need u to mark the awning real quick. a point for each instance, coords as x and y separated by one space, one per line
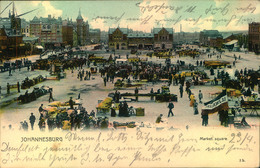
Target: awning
121 60
231 42
132 44
39 47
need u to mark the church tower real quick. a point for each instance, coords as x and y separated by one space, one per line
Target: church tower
80 29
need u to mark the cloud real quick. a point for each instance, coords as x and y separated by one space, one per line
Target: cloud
100 24
45 8
148 10
50 10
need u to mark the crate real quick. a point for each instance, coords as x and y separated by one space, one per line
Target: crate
139 111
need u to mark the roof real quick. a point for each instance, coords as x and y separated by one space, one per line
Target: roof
211 33
5 23
142 35
47 20
123 30
79 16
94 30
156 30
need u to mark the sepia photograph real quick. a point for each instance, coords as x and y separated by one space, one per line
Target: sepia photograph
135 83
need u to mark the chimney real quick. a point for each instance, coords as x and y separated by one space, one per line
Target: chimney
49 17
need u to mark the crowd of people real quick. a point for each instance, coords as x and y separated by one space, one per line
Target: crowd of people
152 72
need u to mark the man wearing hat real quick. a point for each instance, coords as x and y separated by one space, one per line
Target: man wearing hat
170 106
32 120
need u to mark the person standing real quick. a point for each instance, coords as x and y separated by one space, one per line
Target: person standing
192 99
18 87
181 90
32 120
200 96
41 109
205 119
136 93
71 103
151 92
105 81
195 107
10 71
8 88
113 112
25 125
170 106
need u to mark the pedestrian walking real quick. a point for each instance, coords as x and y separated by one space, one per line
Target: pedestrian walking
32 120
51 96
170 106
200 96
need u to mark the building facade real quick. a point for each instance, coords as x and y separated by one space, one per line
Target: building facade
140 40
118 38
95 36
211 38
11 45
124 38
82 31
186 38
163 38
49 31
67 32
25 28
254 37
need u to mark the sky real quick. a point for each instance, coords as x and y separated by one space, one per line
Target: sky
143 15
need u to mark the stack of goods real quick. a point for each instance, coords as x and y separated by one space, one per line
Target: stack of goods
105 104
127 124
139 111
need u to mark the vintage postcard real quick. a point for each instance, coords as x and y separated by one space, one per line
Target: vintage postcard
137 83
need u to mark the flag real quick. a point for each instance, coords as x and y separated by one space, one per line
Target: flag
216 104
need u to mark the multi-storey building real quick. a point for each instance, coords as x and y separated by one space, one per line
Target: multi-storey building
140 40
82 30
10 45
49 31
25 28
118 38
186 38
67 32
124 38
254 37
211 38
163 38
94 35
